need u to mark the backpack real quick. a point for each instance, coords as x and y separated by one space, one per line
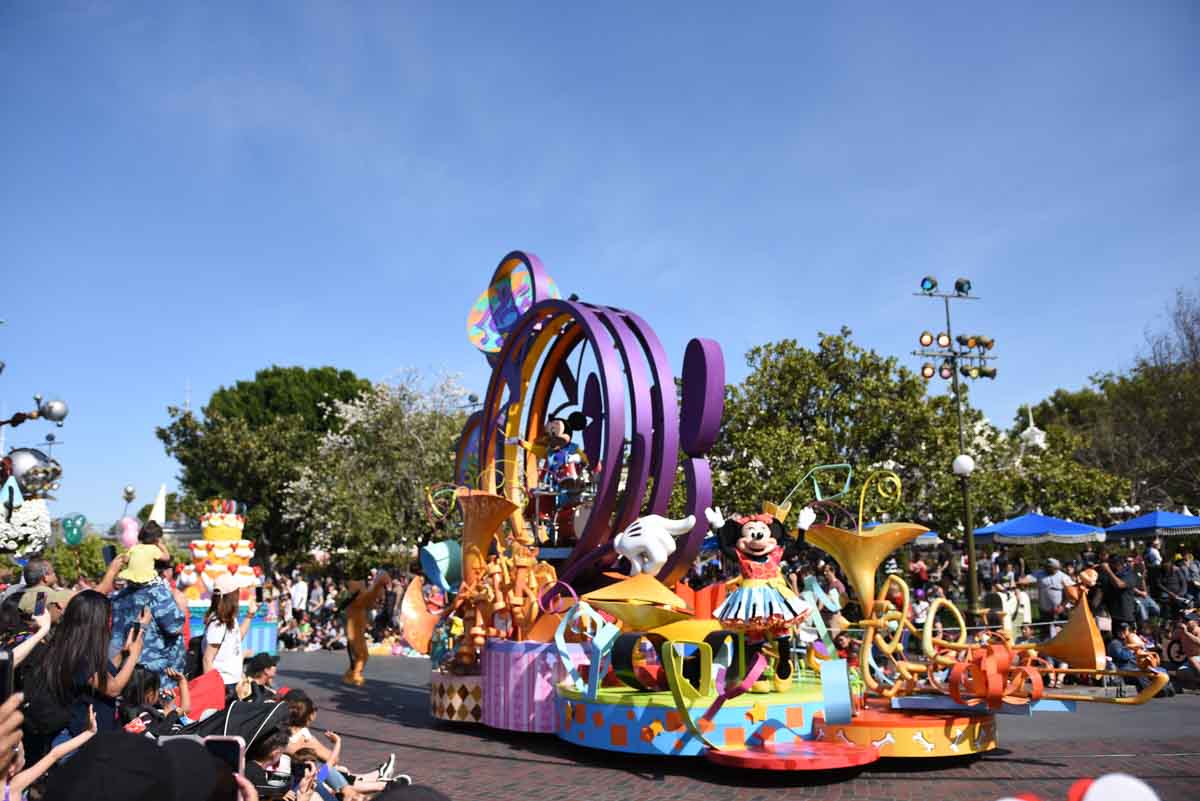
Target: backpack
193 663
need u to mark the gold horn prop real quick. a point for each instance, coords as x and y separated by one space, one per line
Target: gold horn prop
483 514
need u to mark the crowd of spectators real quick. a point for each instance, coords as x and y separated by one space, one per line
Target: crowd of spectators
110 699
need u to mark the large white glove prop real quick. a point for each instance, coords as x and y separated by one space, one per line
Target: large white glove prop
650 540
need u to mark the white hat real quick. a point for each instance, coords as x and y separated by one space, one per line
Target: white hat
226 584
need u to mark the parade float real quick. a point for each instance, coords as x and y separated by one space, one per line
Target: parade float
223 548
554 604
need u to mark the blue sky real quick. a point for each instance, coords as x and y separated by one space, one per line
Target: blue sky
192 192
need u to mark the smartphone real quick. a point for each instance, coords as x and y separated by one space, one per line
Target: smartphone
230 750
110 553
39 606
258 594
6 674
136 628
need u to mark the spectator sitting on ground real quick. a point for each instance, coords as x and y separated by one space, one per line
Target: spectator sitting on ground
1123 657
1189 636
302 714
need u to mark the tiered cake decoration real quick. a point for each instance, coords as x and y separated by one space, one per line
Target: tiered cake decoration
223 550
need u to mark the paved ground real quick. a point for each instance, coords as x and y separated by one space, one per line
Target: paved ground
1043 754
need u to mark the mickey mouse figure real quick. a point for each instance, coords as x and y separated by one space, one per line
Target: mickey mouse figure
763 605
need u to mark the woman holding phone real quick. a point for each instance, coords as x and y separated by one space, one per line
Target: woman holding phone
223 635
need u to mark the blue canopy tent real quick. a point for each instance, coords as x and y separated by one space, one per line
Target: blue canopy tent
1030 529
1158 523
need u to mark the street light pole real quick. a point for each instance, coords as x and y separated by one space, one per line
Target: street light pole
964 482
970 360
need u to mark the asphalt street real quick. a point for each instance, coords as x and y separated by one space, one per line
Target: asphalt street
1043 754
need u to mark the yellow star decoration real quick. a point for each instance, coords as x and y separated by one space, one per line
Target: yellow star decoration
757 713
656 727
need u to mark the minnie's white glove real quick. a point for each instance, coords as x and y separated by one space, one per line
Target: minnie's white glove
714 517
807 518
650 540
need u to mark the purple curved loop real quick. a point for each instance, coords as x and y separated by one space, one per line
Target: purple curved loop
664 448
699 497
553 595
703 396
593 409
640 407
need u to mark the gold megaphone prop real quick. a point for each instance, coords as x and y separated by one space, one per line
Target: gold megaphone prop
861 553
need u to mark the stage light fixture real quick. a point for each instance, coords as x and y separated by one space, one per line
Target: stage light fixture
926 339
927 371
987 372
947 370
985 343
928 284
962 286
943 339
970 371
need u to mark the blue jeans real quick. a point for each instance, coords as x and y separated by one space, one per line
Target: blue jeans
1147 608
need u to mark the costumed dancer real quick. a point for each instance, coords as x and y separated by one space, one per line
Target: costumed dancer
361 600
763 605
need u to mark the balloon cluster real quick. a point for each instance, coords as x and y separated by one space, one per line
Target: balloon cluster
73 528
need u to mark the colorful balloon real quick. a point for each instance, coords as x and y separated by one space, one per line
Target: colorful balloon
73 528
127 531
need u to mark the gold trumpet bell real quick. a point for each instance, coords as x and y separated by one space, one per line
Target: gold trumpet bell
1078 643
860 553
416 621
483 514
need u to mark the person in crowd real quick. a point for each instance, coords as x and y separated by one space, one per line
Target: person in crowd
1192 569
316 599
18 778
223 635
1146 607
302 714
1052 602
1123 657
144 589
1152 557
261 669
299 594
20 638
1116 584
918 572
148 707
38 572
1175 587
71 675
1189 636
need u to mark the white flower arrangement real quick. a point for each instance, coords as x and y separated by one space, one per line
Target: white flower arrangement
29 529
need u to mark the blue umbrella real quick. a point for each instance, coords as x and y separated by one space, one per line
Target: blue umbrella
1031 529
1154 524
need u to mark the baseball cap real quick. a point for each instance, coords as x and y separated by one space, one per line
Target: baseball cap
260 662
227 584
1053 563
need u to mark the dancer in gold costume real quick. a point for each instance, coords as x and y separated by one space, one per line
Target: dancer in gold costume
356 624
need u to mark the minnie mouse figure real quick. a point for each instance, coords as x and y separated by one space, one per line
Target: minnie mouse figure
763 605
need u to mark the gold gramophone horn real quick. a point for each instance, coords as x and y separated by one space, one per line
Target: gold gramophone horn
483 514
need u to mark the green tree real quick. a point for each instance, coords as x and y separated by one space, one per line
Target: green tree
360 495
1144 423
252 439
70 562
